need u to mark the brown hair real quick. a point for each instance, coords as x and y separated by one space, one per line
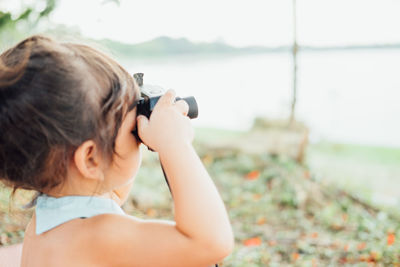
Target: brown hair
53 97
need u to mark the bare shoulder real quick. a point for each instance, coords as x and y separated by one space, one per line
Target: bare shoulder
119 240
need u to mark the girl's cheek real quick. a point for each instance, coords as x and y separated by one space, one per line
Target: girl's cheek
125 170
135 165
130 145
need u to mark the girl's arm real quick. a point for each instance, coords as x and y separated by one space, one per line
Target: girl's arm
199 210
201 234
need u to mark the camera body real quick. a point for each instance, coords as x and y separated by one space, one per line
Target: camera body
150 94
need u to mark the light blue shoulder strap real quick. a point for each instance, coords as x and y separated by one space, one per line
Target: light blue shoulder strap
51 212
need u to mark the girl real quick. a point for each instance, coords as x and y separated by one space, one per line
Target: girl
66 116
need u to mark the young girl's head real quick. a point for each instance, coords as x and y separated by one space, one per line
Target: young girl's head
61 108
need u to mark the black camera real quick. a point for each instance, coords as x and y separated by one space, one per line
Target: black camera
150 94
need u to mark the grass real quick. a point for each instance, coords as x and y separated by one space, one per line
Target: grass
283 216
367 154
214 134
373 172
283 213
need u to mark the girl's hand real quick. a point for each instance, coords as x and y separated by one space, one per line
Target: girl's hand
168 126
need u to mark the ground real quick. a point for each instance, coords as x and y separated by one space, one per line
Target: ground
282 212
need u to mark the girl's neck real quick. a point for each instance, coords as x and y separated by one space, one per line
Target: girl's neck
76 185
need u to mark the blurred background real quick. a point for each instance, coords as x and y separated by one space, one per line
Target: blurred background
298 113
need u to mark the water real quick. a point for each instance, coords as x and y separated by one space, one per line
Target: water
343 96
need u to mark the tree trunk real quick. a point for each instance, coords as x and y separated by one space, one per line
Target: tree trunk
294 54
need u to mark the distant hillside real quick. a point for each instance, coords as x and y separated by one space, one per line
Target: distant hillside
162 46
166 46
350 47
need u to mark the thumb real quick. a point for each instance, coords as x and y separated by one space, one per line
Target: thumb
142 123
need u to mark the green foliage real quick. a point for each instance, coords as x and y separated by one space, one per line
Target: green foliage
16 25
29 13
25 15
5 18
50 5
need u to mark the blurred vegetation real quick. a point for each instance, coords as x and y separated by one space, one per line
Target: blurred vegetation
17 24
282 214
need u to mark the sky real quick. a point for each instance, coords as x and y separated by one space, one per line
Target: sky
268 23
236 22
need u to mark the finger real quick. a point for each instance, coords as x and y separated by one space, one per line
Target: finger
142 123
182 106
168 98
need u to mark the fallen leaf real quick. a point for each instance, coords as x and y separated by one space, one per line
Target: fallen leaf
253 175
314 262
335 245
257 196
255 241
261 221
4 239
373 256
390 239
314 235
151 212
361 246
208 159
364 258
295 256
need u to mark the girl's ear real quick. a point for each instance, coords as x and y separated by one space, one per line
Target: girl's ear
88 161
